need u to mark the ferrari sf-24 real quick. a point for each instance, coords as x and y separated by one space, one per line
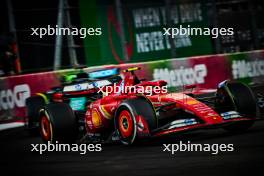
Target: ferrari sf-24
78 111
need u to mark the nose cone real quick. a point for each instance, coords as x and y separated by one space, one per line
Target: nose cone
212 118
199 109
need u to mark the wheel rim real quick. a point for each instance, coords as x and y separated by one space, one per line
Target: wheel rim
125 124
45 127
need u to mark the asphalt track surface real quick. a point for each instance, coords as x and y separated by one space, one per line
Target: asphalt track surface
142 159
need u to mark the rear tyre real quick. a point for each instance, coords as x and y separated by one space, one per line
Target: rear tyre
239 97
33 106
125 118
58 123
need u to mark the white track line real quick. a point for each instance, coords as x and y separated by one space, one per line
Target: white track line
11 125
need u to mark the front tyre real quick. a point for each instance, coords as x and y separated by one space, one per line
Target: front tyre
125 118
126 125
238 97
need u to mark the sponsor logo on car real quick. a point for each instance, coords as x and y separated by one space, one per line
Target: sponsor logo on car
230 115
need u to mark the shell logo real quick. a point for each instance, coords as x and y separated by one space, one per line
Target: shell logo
96 119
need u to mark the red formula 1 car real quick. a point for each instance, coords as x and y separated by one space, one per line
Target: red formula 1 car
85 111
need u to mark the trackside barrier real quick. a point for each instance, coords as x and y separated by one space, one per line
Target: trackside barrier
204 71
